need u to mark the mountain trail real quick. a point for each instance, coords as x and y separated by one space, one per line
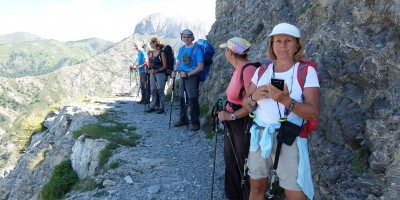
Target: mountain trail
166 164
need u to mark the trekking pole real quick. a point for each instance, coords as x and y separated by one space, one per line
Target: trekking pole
172 101
242 174
214 115
146 92
136 81
130 80
185 97
274 176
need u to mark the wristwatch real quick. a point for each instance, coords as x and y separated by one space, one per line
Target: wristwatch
292 102
233 116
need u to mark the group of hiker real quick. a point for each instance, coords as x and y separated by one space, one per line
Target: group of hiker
189 62
267 115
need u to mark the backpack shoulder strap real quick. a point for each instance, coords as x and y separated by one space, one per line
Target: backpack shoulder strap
256 64
303 70
261 70
159 54
302 74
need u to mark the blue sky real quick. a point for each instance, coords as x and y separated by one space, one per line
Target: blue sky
67 20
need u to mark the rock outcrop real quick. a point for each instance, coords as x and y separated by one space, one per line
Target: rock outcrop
48 149
86 154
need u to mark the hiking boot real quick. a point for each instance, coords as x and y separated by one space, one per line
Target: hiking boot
150 110
160 111
181 123
195 127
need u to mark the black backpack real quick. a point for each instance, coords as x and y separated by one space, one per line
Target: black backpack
169 54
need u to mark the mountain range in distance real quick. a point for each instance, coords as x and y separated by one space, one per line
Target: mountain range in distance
18 37
25 54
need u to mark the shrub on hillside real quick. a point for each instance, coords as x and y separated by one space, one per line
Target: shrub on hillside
61 181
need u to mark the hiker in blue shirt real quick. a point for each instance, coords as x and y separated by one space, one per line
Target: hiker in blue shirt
190 62
141 65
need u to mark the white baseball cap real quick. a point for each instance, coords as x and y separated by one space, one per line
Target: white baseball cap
285 28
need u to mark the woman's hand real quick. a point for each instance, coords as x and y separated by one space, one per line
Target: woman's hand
260 93
277 94
224 116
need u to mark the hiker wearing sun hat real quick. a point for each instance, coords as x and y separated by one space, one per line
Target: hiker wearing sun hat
285 28
189 62
237 45
236 118
277 152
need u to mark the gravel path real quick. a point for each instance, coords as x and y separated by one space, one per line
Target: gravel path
167 164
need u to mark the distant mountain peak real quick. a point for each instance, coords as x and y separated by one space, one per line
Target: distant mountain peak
18 37
169 26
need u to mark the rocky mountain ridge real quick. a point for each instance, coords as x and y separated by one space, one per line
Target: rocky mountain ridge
159 24
31 58
18 37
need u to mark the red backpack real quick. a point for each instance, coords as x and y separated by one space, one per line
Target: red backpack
310 125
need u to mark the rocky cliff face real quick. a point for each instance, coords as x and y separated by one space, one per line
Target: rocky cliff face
355 152
158 24
48 148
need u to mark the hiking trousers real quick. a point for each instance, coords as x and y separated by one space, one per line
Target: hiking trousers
190 87
241 144
157 85
145 90
194 110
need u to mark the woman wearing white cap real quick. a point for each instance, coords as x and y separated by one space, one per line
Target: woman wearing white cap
236 118
292 104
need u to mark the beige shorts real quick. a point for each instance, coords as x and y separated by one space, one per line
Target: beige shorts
260 167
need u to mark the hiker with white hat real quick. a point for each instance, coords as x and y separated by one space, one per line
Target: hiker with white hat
277 150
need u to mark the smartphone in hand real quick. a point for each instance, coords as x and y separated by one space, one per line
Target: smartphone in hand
278 83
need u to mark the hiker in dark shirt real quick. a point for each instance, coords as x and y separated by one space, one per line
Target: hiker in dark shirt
158 65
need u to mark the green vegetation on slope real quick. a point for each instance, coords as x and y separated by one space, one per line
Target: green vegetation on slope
61 182
44 56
